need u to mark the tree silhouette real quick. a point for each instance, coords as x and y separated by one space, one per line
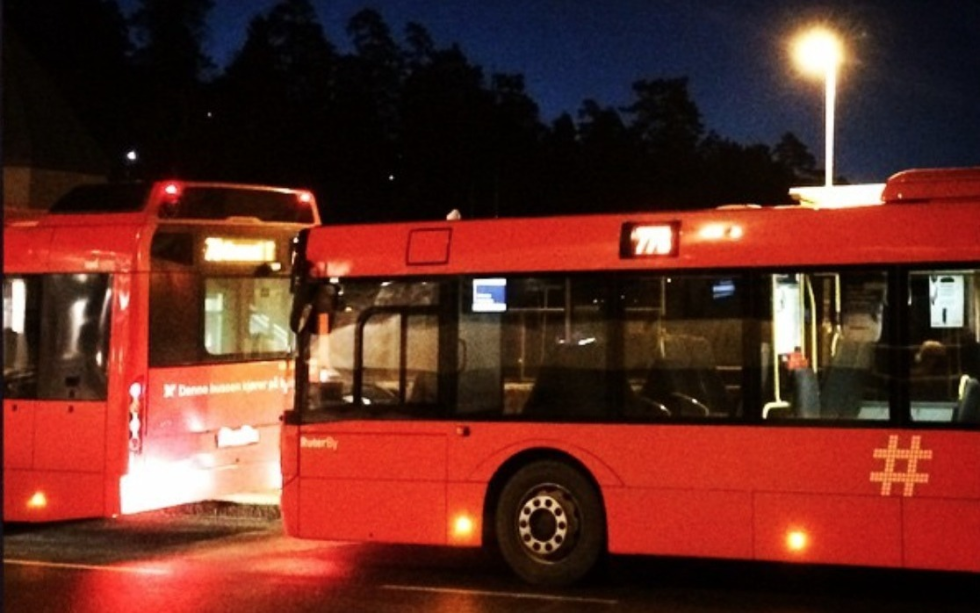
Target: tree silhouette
88 63
392 129
794 156
170 64
273 102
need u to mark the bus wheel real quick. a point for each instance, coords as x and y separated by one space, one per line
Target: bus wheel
550 524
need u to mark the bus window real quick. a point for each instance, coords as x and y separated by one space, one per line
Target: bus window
243 318
56 336
554 345
828 346
75 337
683 342
944 346
175 318
379 347
21 336
246 317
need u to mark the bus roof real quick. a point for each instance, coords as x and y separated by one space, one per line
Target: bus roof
107 226
187 200
941 227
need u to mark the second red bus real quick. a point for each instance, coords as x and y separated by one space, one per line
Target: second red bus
793 384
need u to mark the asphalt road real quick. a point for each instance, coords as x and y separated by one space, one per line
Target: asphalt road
216 558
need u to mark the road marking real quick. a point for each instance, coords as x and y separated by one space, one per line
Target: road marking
521 595
117 569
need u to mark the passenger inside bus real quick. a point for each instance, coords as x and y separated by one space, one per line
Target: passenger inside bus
930 375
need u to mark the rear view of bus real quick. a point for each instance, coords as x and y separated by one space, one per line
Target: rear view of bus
146 342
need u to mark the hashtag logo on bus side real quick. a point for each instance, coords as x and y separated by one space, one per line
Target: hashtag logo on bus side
892 474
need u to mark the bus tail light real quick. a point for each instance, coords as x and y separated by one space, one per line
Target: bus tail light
172 190
136 416
170 198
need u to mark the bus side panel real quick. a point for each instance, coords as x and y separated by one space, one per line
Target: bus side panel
26 249
68 464
942 534
862 530
464 526
66 495
70 436
708 523
942 510
388 486
289 463
373 510
18 433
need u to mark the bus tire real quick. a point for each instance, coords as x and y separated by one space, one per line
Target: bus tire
550 524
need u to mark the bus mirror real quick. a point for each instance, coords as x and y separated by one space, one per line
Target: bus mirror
324 299
311 302
300 317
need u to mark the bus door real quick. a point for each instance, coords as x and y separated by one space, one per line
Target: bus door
941 492
372 459
56 353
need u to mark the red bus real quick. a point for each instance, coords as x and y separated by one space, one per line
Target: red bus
146 338
762 383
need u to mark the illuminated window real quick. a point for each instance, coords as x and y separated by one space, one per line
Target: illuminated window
219 319
246 316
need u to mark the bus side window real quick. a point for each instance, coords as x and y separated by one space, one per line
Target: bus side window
75 337
379 357
683 343
830 347
21 336
943 346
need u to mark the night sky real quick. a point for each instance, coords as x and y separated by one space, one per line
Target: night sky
908 93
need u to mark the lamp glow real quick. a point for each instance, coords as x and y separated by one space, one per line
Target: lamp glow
819 51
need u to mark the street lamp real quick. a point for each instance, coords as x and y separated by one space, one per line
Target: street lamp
819 52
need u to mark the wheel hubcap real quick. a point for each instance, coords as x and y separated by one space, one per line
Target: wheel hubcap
546 523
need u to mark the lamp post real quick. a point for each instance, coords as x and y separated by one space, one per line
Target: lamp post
819 52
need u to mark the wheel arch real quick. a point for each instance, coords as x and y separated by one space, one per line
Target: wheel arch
524 458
